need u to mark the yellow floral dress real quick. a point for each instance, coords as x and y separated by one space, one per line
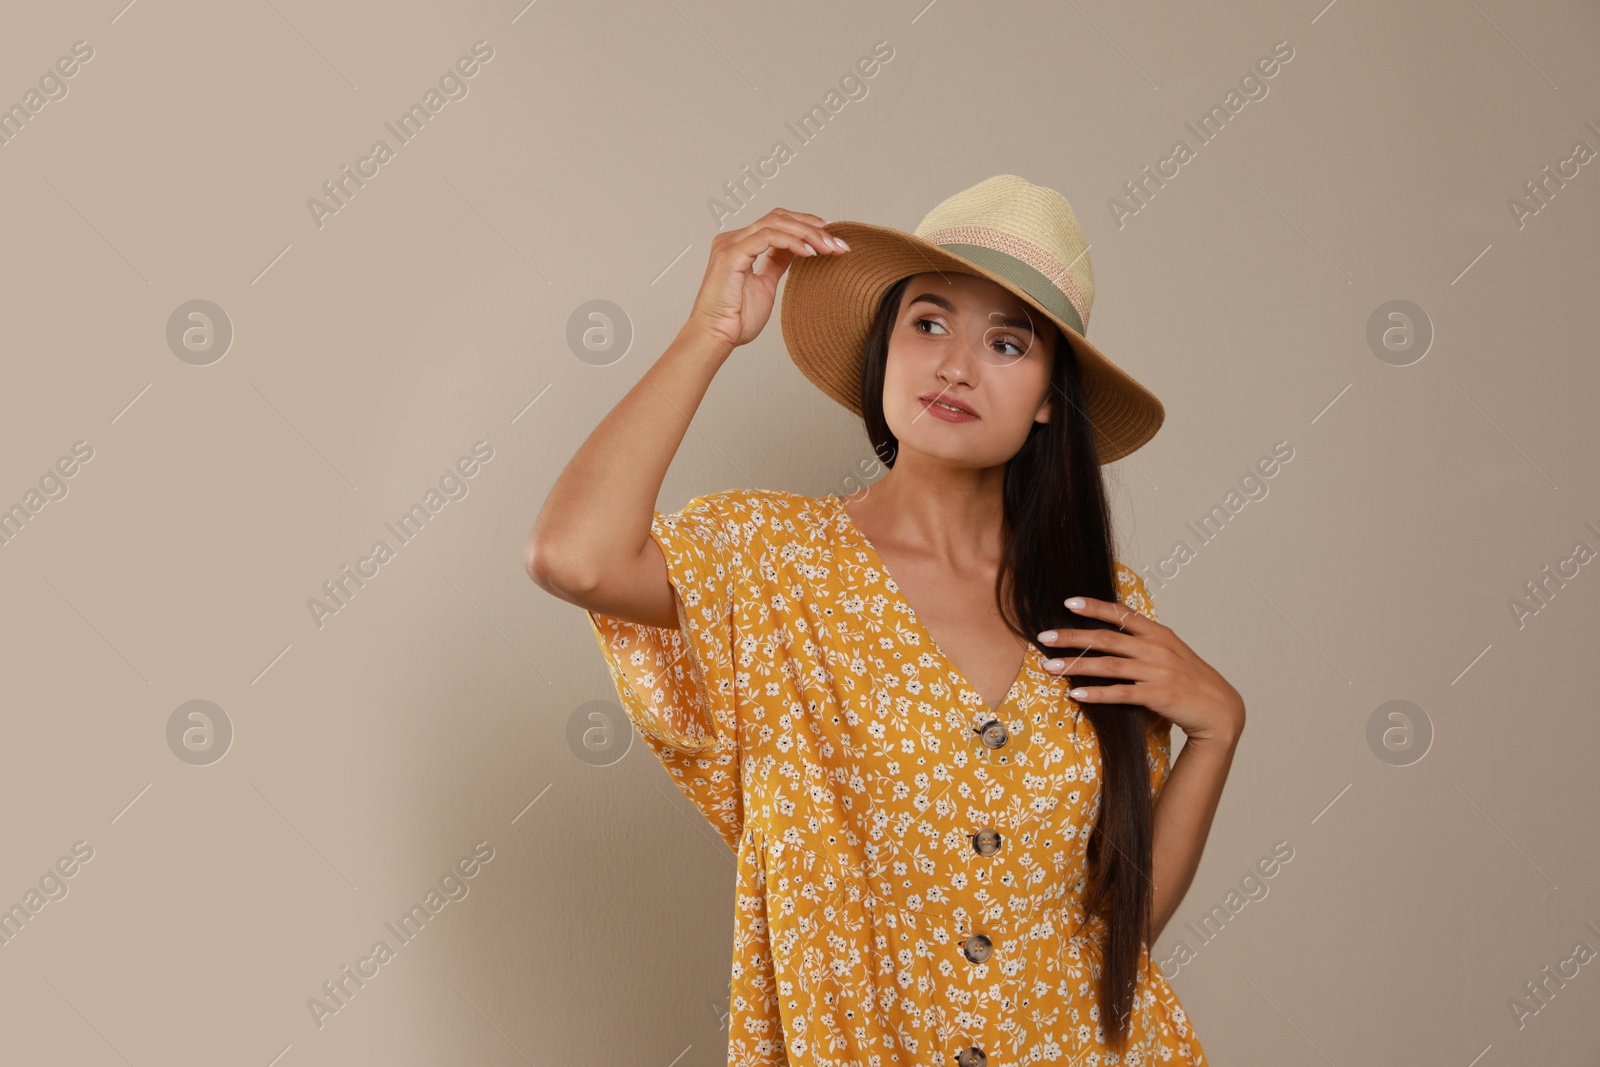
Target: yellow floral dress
910 874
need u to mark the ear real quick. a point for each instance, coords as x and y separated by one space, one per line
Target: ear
1047 404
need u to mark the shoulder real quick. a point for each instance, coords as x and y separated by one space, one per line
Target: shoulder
746 503
751 515
1131 590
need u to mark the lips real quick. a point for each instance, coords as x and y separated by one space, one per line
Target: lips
935 399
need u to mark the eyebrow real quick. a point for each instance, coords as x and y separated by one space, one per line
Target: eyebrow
935 298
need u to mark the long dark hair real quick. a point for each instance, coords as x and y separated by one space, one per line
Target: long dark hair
1058 540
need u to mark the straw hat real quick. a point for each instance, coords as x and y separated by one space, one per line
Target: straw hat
1022 236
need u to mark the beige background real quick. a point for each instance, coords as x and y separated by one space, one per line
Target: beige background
432 712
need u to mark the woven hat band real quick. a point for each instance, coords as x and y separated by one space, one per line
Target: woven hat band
1028 278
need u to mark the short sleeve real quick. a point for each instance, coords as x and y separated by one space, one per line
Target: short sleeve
678 686
1158 732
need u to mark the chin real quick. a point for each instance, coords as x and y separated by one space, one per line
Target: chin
962 444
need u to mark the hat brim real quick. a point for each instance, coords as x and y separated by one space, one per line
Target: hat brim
829 302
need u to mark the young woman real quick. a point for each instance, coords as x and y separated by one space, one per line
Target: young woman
945 855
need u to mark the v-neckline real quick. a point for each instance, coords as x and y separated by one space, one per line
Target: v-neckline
848 523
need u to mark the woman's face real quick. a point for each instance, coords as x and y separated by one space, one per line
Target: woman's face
963 340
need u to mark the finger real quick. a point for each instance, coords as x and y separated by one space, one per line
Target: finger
1111 611
781 245
805 216
1102 667
1105 694
775 257
730 240
1113 641
771 220
820 239
777 235
778 256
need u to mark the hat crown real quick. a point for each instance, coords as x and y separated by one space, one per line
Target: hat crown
1030 223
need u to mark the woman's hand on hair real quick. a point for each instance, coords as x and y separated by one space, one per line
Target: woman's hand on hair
1163 673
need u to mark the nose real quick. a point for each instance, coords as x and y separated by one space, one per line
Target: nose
953 375
958 359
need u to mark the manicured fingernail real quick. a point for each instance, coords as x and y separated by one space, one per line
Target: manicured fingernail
1048 637
1054 664
841 243
1075 602
809 249
1077 694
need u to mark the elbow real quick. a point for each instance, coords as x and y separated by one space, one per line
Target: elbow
556 571
532 563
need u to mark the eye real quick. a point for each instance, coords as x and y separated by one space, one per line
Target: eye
916 323
1018 348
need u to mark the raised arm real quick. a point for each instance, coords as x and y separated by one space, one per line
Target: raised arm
590 544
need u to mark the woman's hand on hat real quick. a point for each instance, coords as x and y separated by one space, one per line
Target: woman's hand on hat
735 298
1164 674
